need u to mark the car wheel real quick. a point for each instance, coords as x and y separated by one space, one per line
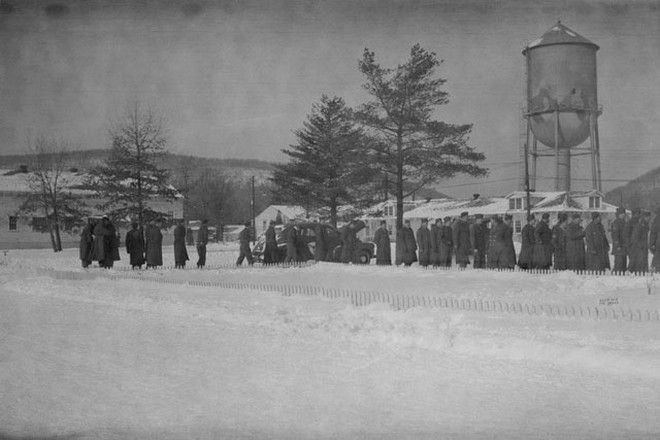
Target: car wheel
364 257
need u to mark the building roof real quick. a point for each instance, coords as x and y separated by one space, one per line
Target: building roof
559 34
454 207
290 211
11 181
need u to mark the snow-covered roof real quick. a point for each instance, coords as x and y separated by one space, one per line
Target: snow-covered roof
559 34
553 201
11 181
291 211
454 207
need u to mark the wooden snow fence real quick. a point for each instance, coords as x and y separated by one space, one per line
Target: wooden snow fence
397 301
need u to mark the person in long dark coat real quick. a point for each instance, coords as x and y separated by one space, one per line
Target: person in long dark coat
348 240
509 261
180 251
424 244
559 242
202 241
99 253
619 241
638 246
406 246
447 243
597 246
320 242
575 255
382 240
491 252
244 246
462 240
153 242
291 235
106 245
436 239
526 256
135 246
654 241
480 241
542 258
501 256
86 245
270 250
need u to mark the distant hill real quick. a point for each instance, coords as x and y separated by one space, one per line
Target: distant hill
179 165
642 192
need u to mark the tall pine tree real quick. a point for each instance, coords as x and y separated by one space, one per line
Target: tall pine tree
413 149
131 176
328 165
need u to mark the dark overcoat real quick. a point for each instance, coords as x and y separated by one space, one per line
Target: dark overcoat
154 246
270 250
424 245
383 250
638 247
436 237
575 257
480 238
180 251
462 242
597 247
654 242
618 237
406 247
510 248
559 247
446 246
525 259
348 240
100 231
501 255
542 246
86 245
135 246
291 235
320 243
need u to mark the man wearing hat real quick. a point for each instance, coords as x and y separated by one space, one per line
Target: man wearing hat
291 235
525 258
638 244
244 240
597 246
509 259
559 242
424 243
462 240
636 213
542 258
436 238
619 241
135 245
382 240
447 241
479 241
654 241
575 257
406 246
86 248
153 244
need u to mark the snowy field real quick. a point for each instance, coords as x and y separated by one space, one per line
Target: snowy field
127 358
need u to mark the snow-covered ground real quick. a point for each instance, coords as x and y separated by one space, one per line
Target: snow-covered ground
101 358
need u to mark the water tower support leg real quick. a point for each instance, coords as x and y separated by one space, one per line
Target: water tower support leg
557 183
599 182
592 141
534 157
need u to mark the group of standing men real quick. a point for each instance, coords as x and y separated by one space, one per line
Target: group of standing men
100 241
564 246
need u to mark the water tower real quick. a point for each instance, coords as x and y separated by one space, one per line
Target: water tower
561 109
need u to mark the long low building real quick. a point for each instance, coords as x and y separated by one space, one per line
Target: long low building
554 202
18 230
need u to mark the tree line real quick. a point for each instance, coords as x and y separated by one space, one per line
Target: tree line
391 145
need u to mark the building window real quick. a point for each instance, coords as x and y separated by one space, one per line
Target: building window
389 211
39 224
389 229
517 225
13 223
516 203
594 202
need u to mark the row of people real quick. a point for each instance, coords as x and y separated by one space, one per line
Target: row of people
567 245
99 241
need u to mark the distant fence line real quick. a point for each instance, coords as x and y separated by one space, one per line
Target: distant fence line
395 300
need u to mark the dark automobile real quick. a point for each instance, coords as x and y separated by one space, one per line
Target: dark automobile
306 244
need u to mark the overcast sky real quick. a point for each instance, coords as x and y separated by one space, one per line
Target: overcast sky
234 78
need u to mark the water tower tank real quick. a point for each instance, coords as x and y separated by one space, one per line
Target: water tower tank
561 82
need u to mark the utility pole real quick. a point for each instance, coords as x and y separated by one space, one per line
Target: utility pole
254 223
527 196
